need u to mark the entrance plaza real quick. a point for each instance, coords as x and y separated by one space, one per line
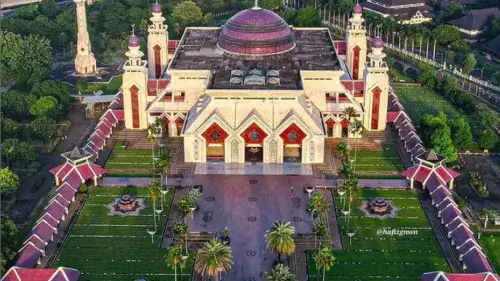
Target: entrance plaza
249 205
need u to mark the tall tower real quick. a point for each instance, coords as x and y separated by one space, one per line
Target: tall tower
157 43
356 44
134 87
376 92
85 63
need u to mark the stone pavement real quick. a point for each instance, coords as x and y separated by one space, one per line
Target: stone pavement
253 169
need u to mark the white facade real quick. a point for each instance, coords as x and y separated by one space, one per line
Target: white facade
278 125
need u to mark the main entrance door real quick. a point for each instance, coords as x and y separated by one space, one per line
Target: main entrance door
215 137
254 154
254 143
292 143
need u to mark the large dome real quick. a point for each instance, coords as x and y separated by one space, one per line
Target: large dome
256 31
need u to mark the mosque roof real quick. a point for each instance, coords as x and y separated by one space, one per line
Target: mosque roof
256 31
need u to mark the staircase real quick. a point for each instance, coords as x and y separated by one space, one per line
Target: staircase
132 137
330 164
196 239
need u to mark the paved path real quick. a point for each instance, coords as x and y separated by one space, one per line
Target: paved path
367 183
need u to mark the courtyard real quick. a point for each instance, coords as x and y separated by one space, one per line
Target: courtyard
374 253
108 248
129 162
490 242
373 162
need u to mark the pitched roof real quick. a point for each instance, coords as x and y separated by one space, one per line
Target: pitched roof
441 276
399 12
46 274
431 156
476 262
29 255
493 45
43 230
476 19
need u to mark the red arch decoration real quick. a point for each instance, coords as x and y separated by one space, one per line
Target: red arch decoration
215 134
355 62
375 107
330 123
293 135
157 50
345 123
254 134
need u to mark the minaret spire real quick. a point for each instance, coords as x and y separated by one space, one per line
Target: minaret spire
85 63
256 6
133 29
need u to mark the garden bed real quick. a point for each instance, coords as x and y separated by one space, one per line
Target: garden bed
477 184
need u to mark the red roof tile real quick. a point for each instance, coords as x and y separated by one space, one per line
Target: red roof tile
28 256
391 116
353 85
37 241
67 191
54 222
61 171
341 47
37 274
104 128
120 114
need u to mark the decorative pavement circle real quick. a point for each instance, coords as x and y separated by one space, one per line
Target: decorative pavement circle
252 219
297 219
210 198
252 199
251 253
252 181
296 199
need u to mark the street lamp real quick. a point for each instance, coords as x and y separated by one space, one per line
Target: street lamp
164 192
309 190
152 233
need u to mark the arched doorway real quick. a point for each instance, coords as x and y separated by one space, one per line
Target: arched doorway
292 143
330 125
254 143
179 122
215 137
166 122
345 128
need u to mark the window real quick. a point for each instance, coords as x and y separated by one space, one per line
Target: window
167 97
179 96
330 98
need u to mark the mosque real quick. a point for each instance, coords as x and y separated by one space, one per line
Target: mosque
256 89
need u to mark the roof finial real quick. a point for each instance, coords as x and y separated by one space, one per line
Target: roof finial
156 1
256 3
133 29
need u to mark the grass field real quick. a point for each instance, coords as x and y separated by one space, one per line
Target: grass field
384 257
491 246
110 88
379 161
128 161
109 248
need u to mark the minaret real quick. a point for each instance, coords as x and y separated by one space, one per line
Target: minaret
134 87
356 44
157 43
376 92
85 63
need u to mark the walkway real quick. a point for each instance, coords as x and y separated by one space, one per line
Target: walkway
253 169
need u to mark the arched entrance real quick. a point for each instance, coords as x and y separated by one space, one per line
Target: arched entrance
345 128
292 143
215 137
330 125
179 122
166 121
254 143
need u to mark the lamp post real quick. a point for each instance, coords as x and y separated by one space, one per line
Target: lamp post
152 233
309 190
341 193
164 192
158 212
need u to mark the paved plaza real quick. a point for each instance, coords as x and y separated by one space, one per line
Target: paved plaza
249 205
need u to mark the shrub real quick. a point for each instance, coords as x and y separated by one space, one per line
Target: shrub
477 183
180 229
83 188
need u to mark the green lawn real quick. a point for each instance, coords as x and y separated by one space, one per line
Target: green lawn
379 161
125 160
383 257
110 88
491 246
104 247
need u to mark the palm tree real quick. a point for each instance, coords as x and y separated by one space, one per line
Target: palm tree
280 272
213 258
356 128
279 238
349 112
343 149
324 259
154 192
174 258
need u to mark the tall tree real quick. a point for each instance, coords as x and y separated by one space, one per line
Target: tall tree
9 241
48 8
43 127
469 63
154 191
357 129
461 132
308 17
45 107
279 238
25 59
187 14
446 34
9 181
174 259
9 150
488 139
26 153
280 272
324 259
213 259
